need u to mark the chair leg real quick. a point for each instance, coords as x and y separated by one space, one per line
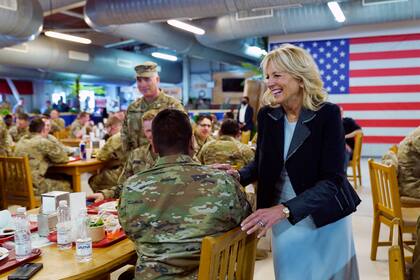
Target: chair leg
353 166
359 173
375 237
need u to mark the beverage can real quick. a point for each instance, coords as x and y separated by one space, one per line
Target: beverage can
83 151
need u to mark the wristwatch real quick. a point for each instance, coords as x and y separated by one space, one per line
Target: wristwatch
286 212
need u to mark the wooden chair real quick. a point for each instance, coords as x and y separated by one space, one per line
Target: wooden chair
354 163
62 134
228 256
396 260
16 183
394 149
387 206
246 136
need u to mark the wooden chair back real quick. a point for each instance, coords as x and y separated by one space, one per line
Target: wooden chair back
16 183
246 136
385 193
228 256
357 151
396 257
62 134
394 149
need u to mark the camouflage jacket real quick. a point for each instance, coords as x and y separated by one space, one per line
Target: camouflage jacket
200 143
226 149
68 150
112 153
75 127
57 124
17 133
6 142
41 153
132 132
409 164
415 271
140 159
167 210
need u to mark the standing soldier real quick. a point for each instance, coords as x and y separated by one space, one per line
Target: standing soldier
21 127
153 98
42 153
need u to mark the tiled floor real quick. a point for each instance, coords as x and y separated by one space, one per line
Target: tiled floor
362 229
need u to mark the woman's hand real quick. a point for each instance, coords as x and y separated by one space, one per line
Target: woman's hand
228 168
263 220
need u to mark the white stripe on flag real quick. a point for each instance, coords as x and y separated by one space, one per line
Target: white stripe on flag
374 149
385 81
383 115
388 131
374 98
384 63
387 46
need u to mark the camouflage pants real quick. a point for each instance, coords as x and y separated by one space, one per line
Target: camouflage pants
106 179
47 185
416 256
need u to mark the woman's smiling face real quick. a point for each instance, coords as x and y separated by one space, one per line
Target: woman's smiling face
282 85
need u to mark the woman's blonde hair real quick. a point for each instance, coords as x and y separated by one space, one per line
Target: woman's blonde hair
300 65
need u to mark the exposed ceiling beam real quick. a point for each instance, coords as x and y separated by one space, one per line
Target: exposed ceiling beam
73 14
64 8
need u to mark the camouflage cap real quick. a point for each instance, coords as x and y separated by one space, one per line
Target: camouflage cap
147 69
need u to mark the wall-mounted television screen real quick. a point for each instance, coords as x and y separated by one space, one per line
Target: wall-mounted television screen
233 84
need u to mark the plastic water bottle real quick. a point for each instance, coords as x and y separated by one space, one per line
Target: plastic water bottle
83 240
23 246
63 226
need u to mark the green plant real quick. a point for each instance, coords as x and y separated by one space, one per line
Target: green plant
96 223
256 70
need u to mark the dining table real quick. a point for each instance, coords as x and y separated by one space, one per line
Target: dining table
76 168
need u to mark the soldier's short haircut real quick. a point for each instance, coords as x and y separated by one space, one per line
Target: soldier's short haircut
229 127
202 117
23 116
171 132
82 115
36 125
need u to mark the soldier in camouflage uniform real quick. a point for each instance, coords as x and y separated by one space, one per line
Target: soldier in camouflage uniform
140 159
227 149
202 132
21 128
167 210
153 99
5 105
112 153
57 123
415 272
42 153
6 142
80 126
47 129
409 165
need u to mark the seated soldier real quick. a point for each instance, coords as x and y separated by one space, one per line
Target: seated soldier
168 209
81 126
415 271
6 142
227 149
21 128
140 159
42 153
47 128
57 123
202 132
112 153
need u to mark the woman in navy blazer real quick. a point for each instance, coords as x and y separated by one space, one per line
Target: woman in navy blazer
303 193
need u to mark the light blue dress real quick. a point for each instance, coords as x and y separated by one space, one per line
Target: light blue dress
305 252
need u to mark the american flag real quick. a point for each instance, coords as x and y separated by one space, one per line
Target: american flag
377 82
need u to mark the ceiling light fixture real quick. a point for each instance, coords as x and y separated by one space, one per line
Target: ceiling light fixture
336 11
67 37
255 51
186 26
164 56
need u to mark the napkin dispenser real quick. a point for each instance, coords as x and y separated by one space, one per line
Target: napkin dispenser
51 200
47 222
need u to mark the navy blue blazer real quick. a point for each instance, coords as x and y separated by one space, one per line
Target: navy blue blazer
314 164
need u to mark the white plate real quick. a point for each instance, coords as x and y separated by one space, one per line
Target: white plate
2 233
3 253
108 206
